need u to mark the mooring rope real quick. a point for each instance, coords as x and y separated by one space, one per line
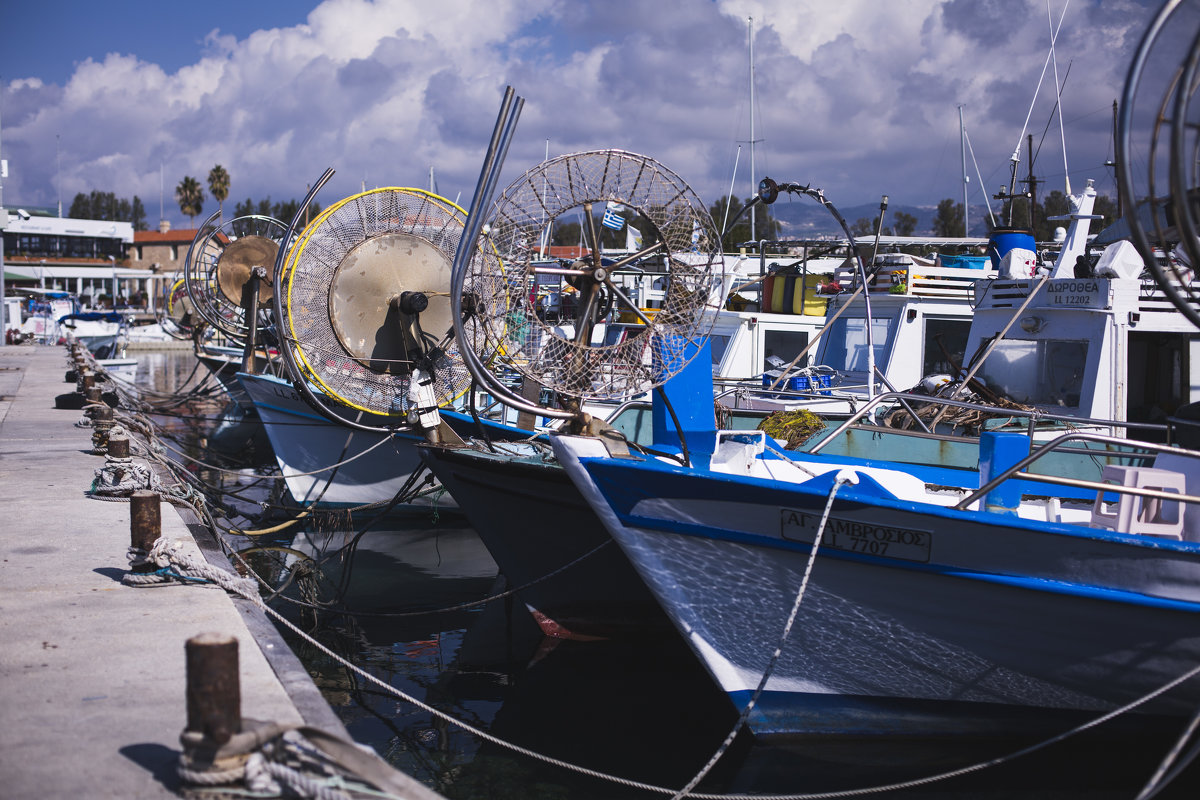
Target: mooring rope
176 566
843 477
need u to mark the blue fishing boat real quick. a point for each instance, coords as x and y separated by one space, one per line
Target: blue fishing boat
840 595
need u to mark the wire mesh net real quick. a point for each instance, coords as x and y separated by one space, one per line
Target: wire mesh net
218 264
175 311
677 234
354 259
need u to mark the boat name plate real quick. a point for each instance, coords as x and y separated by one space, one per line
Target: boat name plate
1078 293
856 536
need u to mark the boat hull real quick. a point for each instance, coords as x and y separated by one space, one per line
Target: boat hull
575 581
306 445
972 623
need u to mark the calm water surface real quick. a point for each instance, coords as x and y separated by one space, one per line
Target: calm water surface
413 590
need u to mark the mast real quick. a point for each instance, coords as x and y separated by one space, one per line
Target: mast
1033 182
753 179
962 143
1113 163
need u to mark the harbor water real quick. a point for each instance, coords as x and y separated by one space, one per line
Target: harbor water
425 655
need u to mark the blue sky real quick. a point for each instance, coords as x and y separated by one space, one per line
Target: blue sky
859 97
48 39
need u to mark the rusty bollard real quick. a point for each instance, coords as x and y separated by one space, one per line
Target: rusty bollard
118 445
214 697
94 395
145 526
102 423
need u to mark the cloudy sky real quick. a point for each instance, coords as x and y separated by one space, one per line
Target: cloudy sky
857 97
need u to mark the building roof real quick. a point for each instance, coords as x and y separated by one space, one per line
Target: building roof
181 236
66 226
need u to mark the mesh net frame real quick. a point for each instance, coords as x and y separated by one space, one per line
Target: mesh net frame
508 332
311 265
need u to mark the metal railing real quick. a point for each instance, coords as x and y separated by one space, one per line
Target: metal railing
1034 416
1016 470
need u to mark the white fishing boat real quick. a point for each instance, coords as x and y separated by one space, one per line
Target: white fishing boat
331 465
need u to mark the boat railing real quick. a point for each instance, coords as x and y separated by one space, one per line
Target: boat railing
812 399
1017 470
1034 416
919 280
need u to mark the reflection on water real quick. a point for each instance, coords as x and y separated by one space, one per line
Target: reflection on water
404 599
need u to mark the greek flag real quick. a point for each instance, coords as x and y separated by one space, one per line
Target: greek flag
612 219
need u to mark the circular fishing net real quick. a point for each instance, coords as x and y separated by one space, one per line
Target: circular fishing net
219 265
366 298
175 313
678 252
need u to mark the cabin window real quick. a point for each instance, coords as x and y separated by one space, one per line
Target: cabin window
945 343
1046 372
718 345
784 344
845 347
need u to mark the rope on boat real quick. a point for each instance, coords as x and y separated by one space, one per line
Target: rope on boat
842 477
215 468
267 772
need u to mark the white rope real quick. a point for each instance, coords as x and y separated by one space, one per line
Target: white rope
1058 93
843 476
168 553
265 775
246 588
1016 156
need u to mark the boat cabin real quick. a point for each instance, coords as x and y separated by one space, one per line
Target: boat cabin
1101 348
920 315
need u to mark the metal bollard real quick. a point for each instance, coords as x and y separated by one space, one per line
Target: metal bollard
102 424
118 446
145 525
214 699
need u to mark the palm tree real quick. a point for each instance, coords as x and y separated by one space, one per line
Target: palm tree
190 196
218 184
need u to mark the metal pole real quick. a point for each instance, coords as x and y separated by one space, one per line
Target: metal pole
753 179
493 161
962 142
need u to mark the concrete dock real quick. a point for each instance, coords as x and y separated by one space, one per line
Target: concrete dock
92 672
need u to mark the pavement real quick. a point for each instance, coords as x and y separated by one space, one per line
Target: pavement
92 672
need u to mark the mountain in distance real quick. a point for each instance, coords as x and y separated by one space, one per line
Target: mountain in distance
806 219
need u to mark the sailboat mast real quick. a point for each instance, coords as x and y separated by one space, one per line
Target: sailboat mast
753 180
962 143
